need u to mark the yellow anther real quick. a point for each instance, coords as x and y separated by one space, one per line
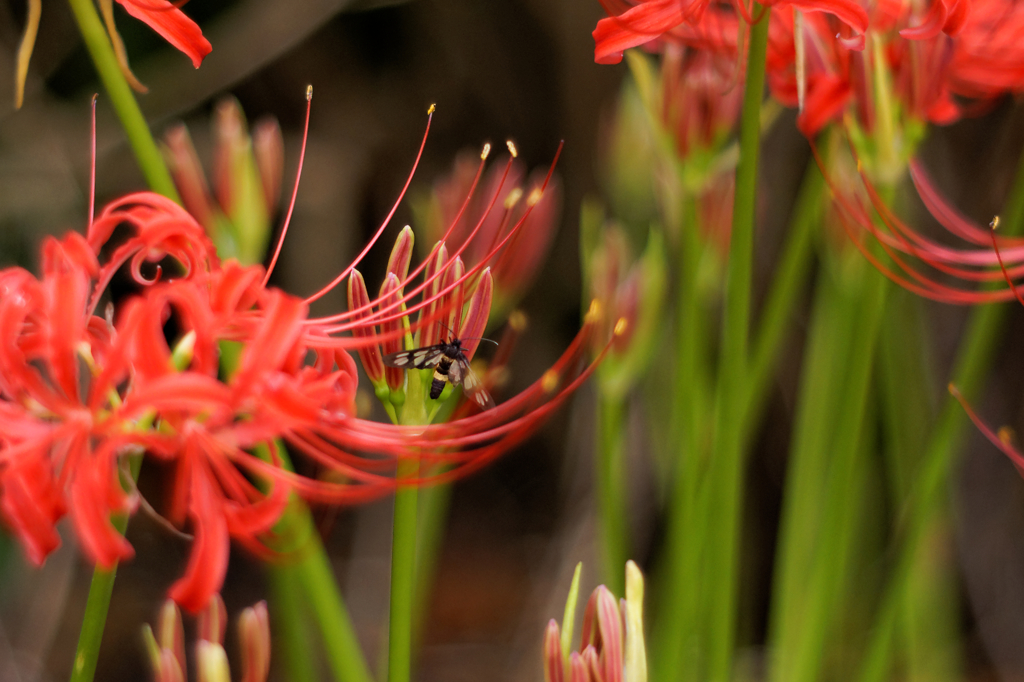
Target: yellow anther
309 92
517 320
995 223
511 148
594 313
535 196
431 109
549 382
513 197
486 151
621 326
1005 434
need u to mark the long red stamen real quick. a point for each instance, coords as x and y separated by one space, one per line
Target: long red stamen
92 163
295 190
387 220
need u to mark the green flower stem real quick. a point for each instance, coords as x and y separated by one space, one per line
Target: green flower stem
403 577
972 365
134 123
821 387
309 567
611 483
404 540
787 285
841 508
290 627
929 620
676 616
434 503
304 582
314 573
98 603
726 467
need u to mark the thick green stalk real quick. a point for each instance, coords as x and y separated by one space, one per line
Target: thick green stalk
404 541
727 458
95 619
98 603
973 361
290 627
787 285
611 484
828 338
676 626
308 567
134 123
403 578
315 575
929 620
829 579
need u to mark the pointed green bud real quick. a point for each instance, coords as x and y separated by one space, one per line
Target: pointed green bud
635 663
212 662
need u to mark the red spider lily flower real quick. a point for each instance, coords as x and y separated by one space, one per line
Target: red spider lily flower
700 98
79 392
162 16
642 21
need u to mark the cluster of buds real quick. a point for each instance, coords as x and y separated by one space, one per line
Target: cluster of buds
612 645
166 647
247 175
82 393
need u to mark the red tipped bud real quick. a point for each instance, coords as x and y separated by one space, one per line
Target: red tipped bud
166 649
578 671
477 313
213 620
188 176
268 147
430 333
401 254
454 299
389 294
254 631
369 354
554 666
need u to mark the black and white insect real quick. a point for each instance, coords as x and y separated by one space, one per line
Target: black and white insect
450 366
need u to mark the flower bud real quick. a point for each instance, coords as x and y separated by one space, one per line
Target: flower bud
369 354
254 631
401 254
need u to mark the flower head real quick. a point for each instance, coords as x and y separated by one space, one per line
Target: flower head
81 393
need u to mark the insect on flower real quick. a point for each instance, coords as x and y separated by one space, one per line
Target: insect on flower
450 365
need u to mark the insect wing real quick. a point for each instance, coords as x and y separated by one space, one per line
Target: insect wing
472 385
419 358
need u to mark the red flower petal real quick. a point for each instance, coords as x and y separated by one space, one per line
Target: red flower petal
171 23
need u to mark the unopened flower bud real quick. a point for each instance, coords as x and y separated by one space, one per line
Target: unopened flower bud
477 314
369 354
401 254
254 631
212 662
